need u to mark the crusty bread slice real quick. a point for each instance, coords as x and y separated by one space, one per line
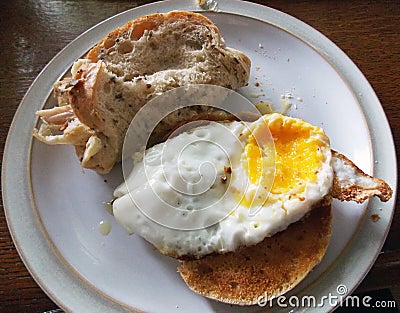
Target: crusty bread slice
277 264
130 66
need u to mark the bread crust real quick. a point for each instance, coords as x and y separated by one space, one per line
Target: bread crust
350 189
83 96
266 270
137 27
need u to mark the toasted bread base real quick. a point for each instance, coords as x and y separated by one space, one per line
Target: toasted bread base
266 270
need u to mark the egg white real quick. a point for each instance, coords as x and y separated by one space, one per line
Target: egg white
192 196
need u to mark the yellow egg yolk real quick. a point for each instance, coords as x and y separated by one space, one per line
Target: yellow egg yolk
297 155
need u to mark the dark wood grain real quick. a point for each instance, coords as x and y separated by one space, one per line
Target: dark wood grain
32 32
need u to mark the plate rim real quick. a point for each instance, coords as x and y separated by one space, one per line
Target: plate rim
21 145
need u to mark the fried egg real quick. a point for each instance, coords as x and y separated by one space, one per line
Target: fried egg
221 186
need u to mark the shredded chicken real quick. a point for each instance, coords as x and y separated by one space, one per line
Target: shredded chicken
64 120
60 124
57 118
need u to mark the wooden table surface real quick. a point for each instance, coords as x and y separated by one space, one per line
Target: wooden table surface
33 31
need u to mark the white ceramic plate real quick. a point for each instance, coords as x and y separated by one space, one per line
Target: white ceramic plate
53 208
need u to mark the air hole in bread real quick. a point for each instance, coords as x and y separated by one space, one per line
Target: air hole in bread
125 47
109 42
194 45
